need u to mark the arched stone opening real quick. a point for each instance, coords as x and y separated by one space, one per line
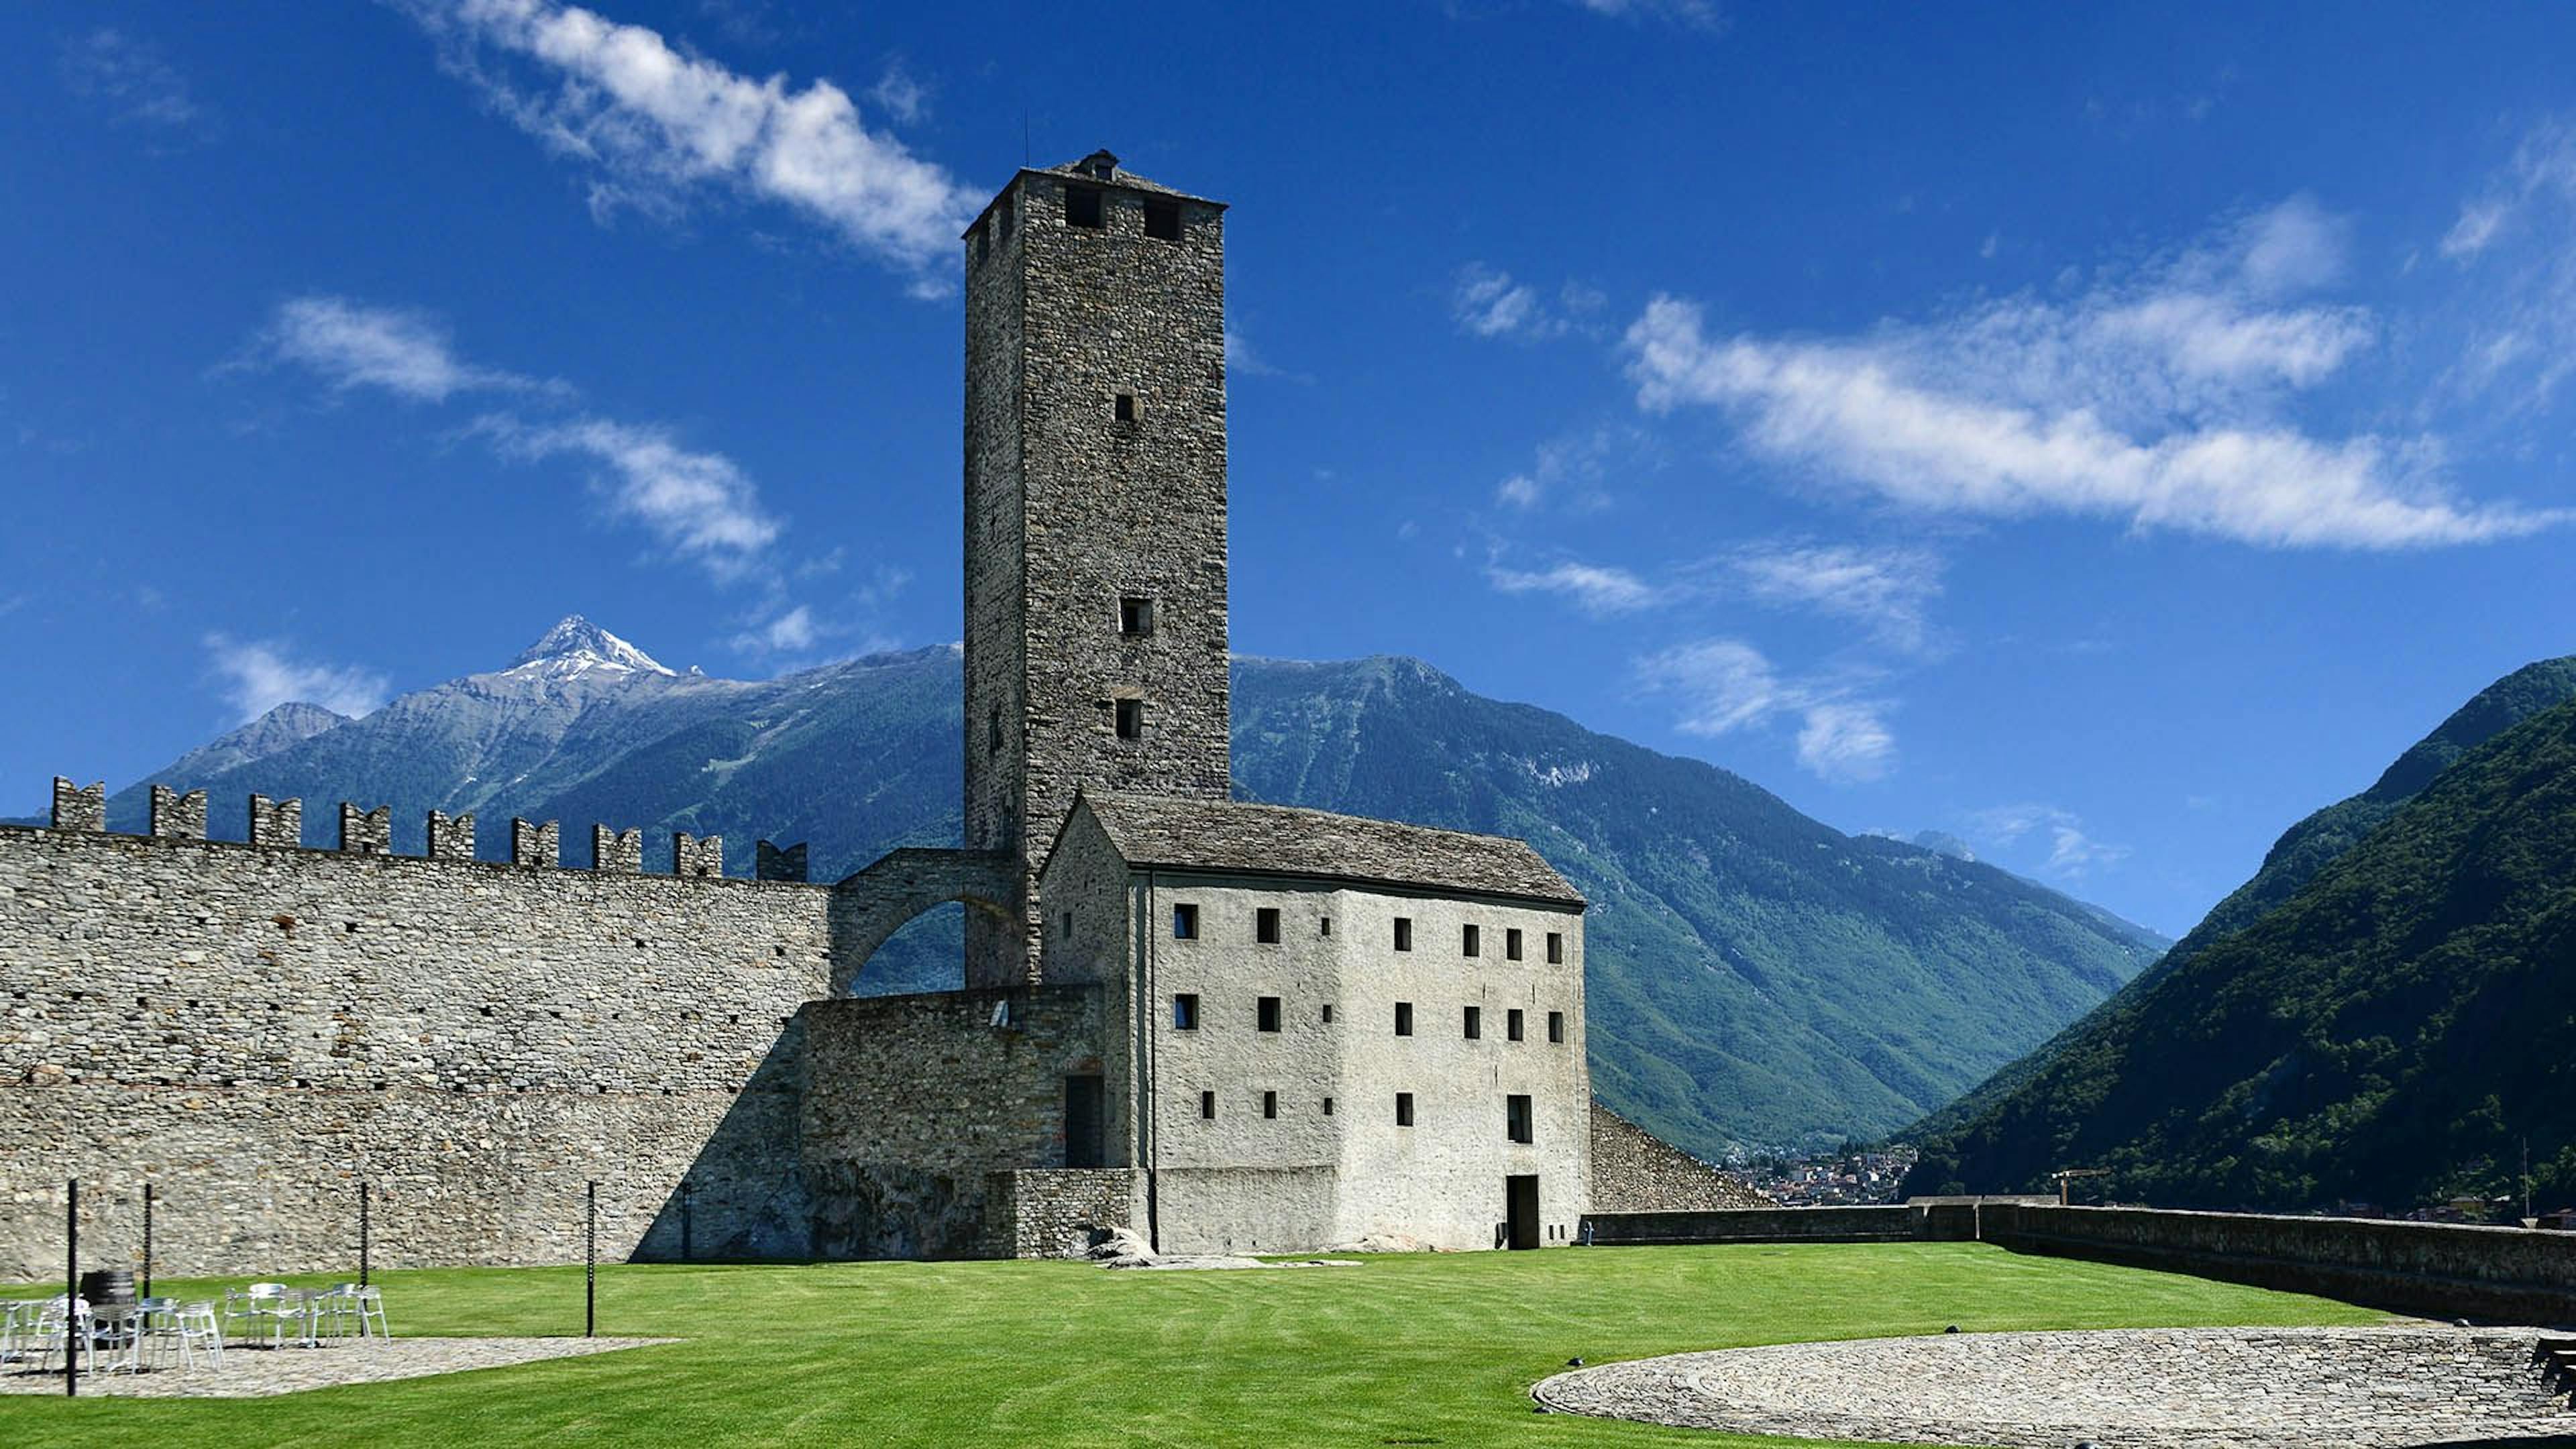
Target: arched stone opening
870 907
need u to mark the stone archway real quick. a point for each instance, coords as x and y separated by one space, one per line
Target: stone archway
869 907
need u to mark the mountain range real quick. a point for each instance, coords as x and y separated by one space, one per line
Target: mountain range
2372 1018
1757 980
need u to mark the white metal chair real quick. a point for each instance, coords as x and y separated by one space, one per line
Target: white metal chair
371 1301
17 1329
62 1324
262 1307
199 1330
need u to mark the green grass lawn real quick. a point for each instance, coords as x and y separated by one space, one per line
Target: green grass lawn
1403 1350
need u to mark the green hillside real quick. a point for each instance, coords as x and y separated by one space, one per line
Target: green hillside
2294 860
1757 979
2388 1034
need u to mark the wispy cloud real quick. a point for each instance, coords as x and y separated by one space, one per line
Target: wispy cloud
353 344
1577 469
1697 14
1888 589
1486 302
2072 851
2155 398
1596 590
258 675
2511 236
129 76
900 94
658 121
1728 685
701 505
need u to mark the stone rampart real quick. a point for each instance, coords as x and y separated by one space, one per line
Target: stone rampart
1756 1225
2444 1269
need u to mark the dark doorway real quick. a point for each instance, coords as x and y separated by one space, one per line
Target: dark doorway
1520 1210
1082 1122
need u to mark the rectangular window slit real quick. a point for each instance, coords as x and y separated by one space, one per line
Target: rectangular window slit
1555 949
1270 1104
1516 1118
1556 1027
1404 1109
1265 925
1185 922
1470 940
1135 615
1126 407
1512 1024
1185 1012
1475 1022
1404 1018
1511 943
1207 1105
1404 933
1266 1013
1131 719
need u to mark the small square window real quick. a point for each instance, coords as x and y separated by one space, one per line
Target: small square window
1265 925
1511 943
1512 1024
1135 615
1516 1118
1404 933
1266 1013
1470 941
1131 719
1125 407
1085 206
1404 1109
1185 1012
1270 1104
1207 1105
1185 922
1162 219
1404 1018
1556 1027
1475 1022
1555 949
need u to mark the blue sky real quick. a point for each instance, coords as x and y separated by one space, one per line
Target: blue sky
2102 436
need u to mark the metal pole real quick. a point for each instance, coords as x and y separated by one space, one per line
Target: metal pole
685 1193
364 1235
71 1291
590 1268
147 1241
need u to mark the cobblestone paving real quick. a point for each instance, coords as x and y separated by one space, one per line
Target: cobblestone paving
2270 1388
251 1373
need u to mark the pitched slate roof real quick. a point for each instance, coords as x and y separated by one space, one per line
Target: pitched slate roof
1236 836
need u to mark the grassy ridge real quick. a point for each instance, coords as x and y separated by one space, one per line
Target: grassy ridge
1401 1350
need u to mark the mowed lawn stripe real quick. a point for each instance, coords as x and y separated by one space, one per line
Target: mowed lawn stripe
1422 1349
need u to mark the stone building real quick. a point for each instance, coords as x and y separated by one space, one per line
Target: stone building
1229 1025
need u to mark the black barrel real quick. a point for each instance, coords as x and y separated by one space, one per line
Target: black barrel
108 1285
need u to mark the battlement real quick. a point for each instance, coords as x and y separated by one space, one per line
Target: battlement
534 845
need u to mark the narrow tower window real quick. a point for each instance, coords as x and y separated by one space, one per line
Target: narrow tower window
1470 941
1265 1013
1556 1027
1185 922
1516 1118
1512 1020
1404 933
1207 1105
1265 925
1125 406
1404 1018
1270 1104
1084 206
1512 943
1555 949
1162 219
1131 719
1185 1012
993 732
1135 615
1475 1022
1404 1109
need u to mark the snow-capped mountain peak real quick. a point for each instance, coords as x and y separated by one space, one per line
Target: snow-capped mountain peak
577 646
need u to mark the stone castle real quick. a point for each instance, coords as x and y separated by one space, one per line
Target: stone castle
1229 1026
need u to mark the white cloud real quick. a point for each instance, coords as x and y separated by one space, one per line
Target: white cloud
2510 241
259 675
1595 590
1699 14
899 94
2153 399
1727 685
2072 851
1487 303
1575 468
792 632
658 121
407 353
1890 589
701 505
1518 491
130 76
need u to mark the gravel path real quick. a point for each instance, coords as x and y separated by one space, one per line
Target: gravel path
2267 1388
250 1373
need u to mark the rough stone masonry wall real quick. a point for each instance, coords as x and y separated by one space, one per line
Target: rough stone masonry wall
254 1029
1060 1212
1634 1171
912 1103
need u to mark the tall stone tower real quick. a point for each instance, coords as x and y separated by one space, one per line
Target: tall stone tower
1095 514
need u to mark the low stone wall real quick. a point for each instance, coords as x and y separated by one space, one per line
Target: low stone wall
2443 1269
1059 1212
1757 1225
1634 1171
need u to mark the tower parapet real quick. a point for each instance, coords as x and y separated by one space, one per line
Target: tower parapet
366 832
176 816
79 807
451 837
278 823
538 846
